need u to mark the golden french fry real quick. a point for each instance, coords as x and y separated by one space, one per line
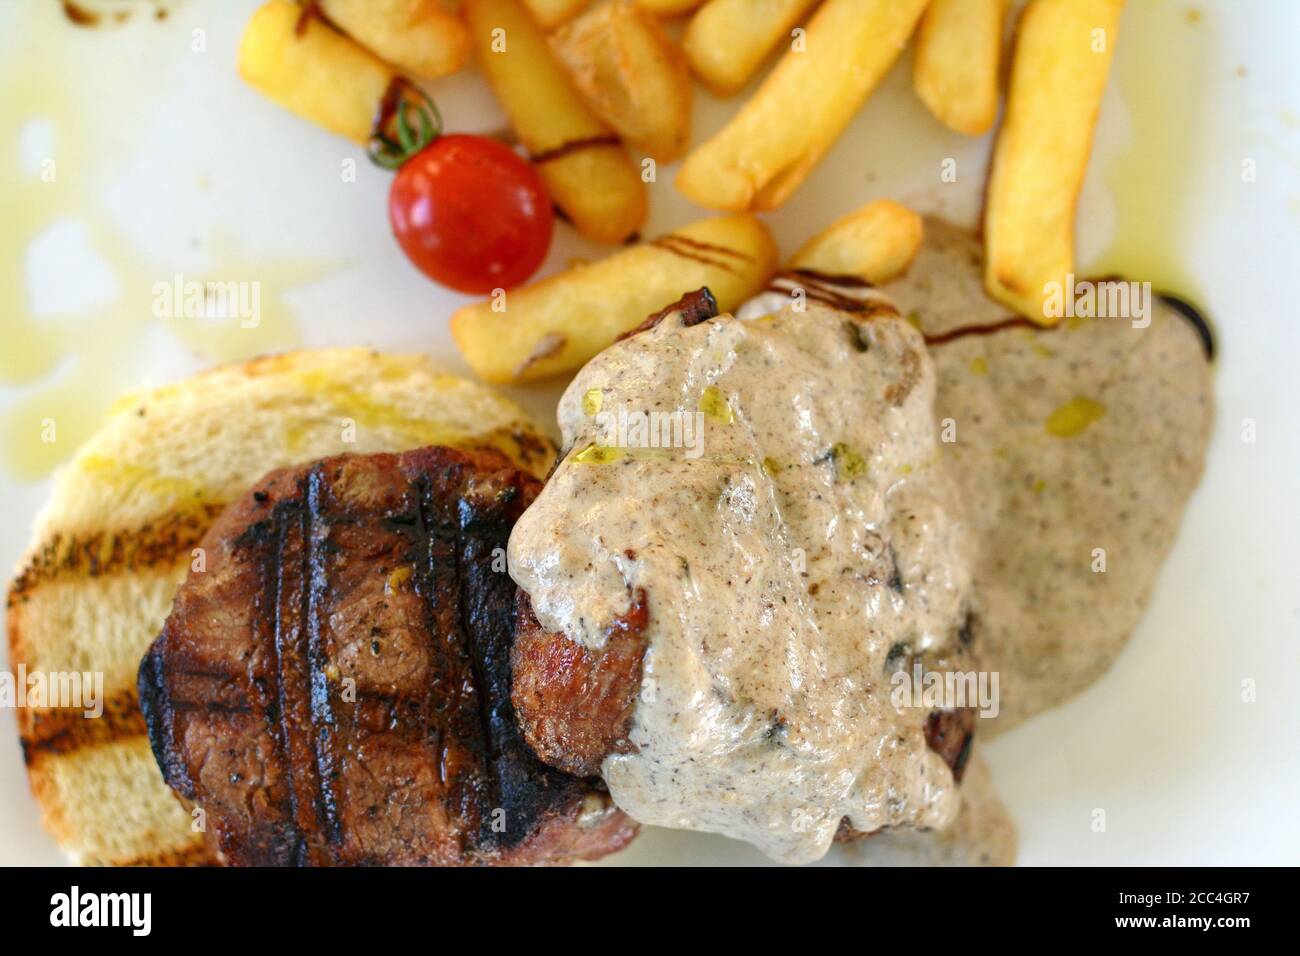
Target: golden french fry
768 149
876 243
313 70
631 75
727 40
1058 74
588 172
549 14
557 324
421 37
668 8
958 46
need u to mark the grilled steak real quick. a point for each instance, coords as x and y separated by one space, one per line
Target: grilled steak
333 686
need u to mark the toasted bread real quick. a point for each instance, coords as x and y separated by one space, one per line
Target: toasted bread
123 527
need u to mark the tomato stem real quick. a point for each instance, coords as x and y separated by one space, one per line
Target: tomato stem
418 123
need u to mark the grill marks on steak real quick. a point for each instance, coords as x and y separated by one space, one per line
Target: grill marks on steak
335 687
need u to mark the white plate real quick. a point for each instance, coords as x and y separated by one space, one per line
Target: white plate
166 163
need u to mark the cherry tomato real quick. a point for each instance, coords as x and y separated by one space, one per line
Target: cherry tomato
472 214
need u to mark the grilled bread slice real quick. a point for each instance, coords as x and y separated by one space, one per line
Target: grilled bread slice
123 528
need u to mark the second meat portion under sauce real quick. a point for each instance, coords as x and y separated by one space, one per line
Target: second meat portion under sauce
763 498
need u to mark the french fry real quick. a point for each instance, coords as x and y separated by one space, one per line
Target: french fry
727 40
420 37
631 75
668 8
313 70
557 324
958 46
768 149
876 243
549 14
1058 74
586 169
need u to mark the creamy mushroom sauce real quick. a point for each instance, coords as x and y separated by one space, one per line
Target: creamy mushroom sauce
1090 435
812 534
1074 446
981 835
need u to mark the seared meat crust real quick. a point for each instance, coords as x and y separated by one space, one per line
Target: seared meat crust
575 705
333 685
695 307
950 734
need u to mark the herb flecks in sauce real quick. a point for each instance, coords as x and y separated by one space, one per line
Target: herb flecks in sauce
714 406
817 473
595 454
849 464
1072 419
1035 502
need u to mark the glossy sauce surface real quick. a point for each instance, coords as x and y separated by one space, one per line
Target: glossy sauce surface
784 557
1059 442
1076 450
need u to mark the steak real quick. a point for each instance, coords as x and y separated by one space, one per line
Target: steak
576 704
333 683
